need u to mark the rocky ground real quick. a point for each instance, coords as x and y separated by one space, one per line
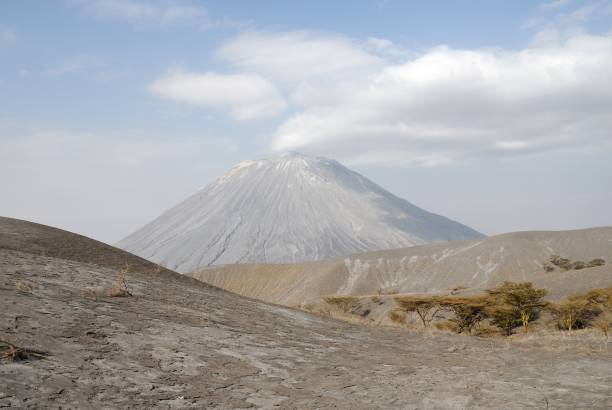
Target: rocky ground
178 343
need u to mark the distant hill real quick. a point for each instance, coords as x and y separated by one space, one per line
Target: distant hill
291 208
433 268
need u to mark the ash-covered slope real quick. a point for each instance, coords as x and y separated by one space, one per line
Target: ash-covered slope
434 268
292 208
181 344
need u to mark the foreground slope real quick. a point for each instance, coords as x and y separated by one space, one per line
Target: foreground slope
290 208
430 268
178 343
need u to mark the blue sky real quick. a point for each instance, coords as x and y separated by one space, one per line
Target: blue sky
494 113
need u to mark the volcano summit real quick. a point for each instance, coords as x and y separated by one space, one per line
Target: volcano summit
291 208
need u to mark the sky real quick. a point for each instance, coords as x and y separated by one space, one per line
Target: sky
496 114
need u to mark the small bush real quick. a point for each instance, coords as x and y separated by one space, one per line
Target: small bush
345 304
120 286
603 322
563 263
447 325
596 262
397 316
567 264
26 287
457 289
387 291
580 311
377 300
573 313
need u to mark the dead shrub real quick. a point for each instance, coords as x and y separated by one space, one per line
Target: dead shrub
26 286
119 287
10 352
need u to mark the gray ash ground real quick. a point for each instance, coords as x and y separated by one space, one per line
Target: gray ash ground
178 343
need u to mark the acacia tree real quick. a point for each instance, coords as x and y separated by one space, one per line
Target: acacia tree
513 304
579 311
468 311
426 307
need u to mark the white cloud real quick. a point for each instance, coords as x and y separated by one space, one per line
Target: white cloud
7 37
448 105
247 96
163 12
297 55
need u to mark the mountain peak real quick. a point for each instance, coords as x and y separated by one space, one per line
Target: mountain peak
288 208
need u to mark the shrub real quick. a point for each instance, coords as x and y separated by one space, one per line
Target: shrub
513 304
563 263
603 322
548 267
387 291
447 325
426 307
397 316
344 303
596 262
579 311
120 286
578 265
574 313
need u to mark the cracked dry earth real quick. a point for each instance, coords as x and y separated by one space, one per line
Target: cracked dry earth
178 343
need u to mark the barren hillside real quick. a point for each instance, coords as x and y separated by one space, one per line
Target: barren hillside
431 268
178 343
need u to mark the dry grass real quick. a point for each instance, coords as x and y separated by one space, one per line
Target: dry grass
398 317
10 352
387 291
119 288
26 286
446 325
345 304
604 323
